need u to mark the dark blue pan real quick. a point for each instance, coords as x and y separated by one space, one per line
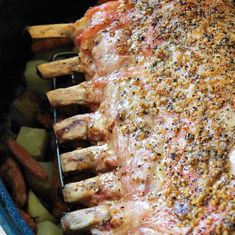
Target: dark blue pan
10 219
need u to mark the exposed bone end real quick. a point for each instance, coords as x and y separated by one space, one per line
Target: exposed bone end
77 160
51 31
72 128
88 126
58 68
67 96
106 185
97 158
74 192
85 93
80 25
85 219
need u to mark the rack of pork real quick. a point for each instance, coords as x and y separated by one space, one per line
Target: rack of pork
139 60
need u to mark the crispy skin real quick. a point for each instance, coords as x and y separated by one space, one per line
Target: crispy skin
167 111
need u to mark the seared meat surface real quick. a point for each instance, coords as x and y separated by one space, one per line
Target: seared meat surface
162 78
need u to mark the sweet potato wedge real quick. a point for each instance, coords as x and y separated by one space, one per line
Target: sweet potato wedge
27 161
11 174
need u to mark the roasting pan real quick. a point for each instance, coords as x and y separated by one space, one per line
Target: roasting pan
13 63
11 222
15 52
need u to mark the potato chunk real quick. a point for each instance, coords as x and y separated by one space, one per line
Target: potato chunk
25 107
37 210
34 82
39 185
48 228
34 140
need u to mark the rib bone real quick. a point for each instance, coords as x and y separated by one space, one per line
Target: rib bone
72 128
83 94
66 96
86 218
59 68
95 157
50 31
106 185
87 126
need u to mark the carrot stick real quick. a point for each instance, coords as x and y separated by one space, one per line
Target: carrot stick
11 174
27 161
29 220
59 206
44 119
47 44
56 190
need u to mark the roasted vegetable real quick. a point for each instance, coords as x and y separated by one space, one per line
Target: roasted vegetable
34 140
58 205
48 228
25 107
39 185
51 43
27 161
37 210
34 83
11 173
44 119
29 220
